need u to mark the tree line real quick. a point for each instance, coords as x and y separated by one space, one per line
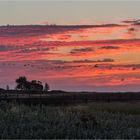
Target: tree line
23 84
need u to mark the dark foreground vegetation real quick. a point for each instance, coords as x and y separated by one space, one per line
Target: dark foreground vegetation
63 98
84 121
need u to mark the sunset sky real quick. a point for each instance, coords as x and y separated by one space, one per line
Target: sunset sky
72 45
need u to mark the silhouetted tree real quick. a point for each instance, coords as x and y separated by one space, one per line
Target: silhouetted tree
46 87
36 85
7 87
21 83
27 85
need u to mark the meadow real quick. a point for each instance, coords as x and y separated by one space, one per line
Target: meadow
98 120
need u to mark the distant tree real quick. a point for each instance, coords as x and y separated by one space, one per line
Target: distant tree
46 87
21 83
39 82
33 81
7 87
36 85
27 85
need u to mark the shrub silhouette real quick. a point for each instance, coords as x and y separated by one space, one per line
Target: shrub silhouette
34 85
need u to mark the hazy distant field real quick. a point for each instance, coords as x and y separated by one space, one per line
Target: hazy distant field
93 120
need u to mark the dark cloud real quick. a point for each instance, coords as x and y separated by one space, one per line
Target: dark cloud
30 50
81 50
84 61
109 47
96 42
93 61
132 22
37 30
38 46
131 29
5 48
30 30
63 62
137 23
107 60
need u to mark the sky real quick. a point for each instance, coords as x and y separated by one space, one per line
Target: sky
72 45
67 12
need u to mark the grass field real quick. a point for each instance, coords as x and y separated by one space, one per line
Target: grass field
92 120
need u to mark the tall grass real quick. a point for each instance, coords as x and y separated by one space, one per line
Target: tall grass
85 121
